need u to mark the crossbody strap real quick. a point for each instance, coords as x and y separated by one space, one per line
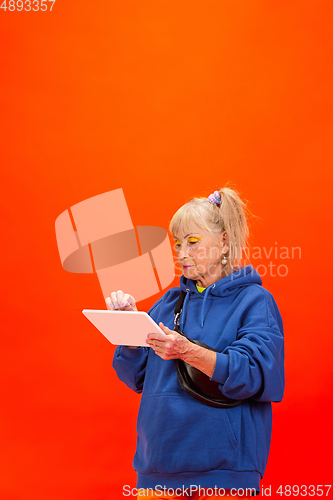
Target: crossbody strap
178 309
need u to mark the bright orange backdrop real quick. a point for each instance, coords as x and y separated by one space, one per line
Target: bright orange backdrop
167 100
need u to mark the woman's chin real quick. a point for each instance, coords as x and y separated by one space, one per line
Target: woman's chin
190 273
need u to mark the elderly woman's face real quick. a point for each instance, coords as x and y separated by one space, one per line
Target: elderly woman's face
199 256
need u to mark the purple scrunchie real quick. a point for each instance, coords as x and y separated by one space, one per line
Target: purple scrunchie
215 198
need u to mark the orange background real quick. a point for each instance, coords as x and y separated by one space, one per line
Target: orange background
167 100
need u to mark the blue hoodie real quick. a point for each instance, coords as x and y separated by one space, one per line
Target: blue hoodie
182 442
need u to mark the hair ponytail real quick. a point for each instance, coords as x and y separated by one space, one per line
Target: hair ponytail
232 218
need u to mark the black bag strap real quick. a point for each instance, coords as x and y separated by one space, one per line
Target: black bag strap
178 310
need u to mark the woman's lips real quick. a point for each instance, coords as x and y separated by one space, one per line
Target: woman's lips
186 267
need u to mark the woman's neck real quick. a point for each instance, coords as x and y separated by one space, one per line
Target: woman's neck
205 281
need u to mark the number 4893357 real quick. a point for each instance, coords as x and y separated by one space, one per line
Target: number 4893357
27 5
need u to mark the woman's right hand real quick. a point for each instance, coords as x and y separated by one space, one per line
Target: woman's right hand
120 301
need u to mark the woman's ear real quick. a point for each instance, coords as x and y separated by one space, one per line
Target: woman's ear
224 242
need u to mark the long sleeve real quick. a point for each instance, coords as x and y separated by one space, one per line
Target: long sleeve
253 365
130 366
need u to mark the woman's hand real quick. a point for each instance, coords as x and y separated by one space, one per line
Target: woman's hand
173 346
120 301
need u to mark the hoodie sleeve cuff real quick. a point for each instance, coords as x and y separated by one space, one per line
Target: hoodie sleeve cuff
221 371
127 353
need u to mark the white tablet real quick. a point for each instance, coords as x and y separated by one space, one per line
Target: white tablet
123 327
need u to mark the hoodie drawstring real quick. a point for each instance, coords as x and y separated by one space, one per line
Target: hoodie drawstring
204 302
183 315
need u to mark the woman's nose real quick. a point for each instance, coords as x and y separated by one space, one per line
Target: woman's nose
183 252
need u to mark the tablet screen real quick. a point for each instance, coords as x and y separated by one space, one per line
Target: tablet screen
123 327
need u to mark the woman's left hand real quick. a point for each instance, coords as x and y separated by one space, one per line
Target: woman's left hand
173 346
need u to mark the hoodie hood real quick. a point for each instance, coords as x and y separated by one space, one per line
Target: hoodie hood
242 277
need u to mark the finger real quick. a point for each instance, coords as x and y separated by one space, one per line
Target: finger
155 343
156 336
157 349
128 301
109 304
120 295
165 329
114 299
162 353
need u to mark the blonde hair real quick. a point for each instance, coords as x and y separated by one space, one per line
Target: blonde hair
231 216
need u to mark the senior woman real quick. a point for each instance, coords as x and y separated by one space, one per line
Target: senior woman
187 448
